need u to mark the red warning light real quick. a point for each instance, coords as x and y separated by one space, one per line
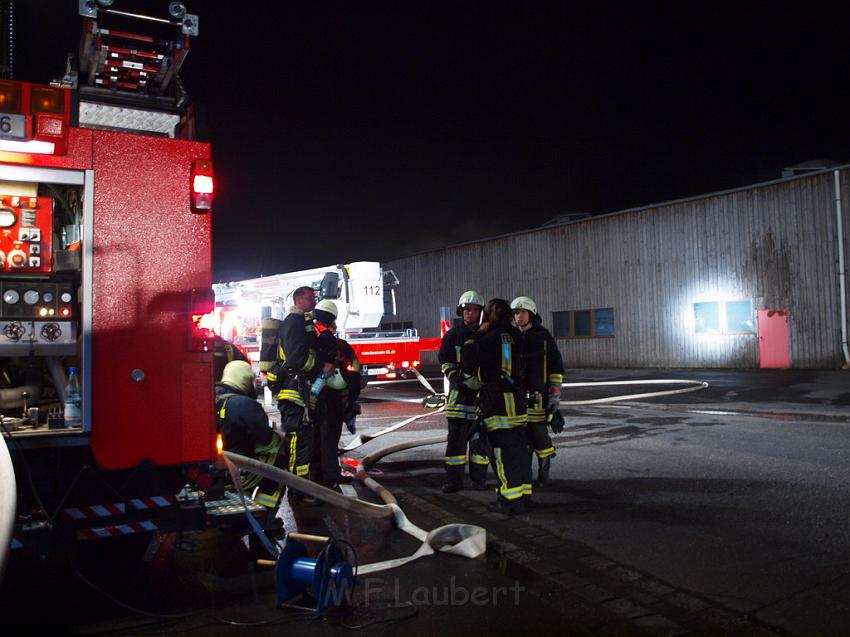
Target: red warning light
66 311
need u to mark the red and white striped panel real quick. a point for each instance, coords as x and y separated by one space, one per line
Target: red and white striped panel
98 533
94 511
153 502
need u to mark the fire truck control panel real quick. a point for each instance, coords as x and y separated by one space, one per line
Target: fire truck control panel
26 227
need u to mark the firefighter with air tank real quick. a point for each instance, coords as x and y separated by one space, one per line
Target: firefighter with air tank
461 410
544 373
300 362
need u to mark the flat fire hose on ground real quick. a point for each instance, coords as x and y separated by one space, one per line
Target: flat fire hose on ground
464 540
457 539
361 439
696 385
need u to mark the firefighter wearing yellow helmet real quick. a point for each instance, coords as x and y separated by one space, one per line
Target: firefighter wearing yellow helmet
460 402
544 373
244 427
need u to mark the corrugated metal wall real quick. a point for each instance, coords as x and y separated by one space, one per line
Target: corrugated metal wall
773 243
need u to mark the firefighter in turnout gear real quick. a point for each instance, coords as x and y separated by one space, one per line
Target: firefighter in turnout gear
460 403
544 373
244 426
299 363
496 350
330 402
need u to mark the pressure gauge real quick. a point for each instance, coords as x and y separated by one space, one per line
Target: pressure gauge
7 218
47 297
31 297
65 297
11 297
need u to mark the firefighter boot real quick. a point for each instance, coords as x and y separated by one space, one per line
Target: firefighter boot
454 479
543 465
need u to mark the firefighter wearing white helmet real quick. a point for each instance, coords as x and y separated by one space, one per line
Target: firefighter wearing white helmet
544 373
328 397
472 298
464 444
325 311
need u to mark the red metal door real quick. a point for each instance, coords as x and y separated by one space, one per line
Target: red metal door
774 341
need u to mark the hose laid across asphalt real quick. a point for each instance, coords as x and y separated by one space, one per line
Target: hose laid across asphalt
465 540
696 386
361 439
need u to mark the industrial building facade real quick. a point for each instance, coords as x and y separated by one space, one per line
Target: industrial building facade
744 278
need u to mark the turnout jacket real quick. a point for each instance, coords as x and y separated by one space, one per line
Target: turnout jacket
460 403
242 421
498 355
544 369
298 361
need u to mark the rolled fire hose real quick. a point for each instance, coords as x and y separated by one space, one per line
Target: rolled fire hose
8 504
465 540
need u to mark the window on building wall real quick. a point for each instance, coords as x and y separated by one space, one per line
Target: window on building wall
561 324
581 323
707 317
604 322
724 317
739 316
597 323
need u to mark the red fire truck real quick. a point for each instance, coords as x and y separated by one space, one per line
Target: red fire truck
364 296
106 266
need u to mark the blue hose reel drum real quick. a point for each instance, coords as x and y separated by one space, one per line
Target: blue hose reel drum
327 579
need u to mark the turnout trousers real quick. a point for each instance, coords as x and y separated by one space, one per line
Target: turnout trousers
294 454
512 465
324 462
463 433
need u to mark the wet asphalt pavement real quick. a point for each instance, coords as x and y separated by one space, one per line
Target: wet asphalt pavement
722 511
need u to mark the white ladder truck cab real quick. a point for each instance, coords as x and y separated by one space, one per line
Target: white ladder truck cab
363 293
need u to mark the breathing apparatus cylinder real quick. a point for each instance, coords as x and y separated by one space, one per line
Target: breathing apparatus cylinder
268 343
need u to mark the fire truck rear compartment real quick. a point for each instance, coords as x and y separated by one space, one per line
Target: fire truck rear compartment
40 279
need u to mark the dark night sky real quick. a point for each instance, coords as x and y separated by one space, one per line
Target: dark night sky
362 130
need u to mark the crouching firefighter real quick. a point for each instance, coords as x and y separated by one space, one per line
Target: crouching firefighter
297 366
496 350
244 426
460 403
544 373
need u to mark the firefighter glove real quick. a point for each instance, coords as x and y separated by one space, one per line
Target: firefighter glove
556 421
471 381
